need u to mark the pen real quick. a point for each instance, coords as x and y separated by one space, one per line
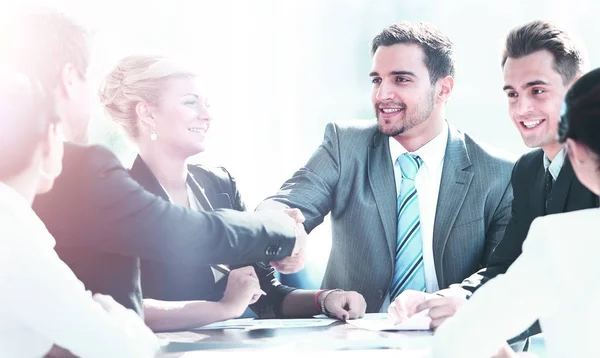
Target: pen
225 271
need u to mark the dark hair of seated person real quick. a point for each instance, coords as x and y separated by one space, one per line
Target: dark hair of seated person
580 119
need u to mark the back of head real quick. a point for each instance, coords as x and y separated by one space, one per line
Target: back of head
133 80
437 47
39 42
581 120
45 44
25 116
534 36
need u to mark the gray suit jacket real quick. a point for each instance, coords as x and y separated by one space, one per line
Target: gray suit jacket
351 176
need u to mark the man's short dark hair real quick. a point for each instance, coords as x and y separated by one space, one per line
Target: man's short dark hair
437 47
540 35
39 42
581 120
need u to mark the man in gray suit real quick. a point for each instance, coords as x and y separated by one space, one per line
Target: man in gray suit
415 203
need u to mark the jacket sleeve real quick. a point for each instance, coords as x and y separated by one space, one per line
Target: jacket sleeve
509 248
311 189
507 251
268 306
109 211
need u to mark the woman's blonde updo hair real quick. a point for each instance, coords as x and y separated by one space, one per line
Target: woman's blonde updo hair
136 79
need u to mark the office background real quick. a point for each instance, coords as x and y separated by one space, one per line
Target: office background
277 71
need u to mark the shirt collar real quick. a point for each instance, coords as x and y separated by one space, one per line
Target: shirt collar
431 153
556 165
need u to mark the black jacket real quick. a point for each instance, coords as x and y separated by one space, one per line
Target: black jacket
215 189
104 221
568 194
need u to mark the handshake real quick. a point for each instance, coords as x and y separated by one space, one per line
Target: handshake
295 262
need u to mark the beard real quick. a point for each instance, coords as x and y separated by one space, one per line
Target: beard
412 117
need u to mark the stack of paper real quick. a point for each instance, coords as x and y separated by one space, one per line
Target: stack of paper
251 323
381 322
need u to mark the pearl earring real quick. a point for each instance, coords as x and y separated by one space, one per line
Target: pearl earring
153 135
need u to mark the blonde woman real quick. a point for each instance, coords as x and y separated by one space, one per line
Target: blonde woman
162 109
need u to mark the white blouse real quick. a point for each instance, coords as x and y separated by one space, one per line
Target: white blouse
42 302
554 280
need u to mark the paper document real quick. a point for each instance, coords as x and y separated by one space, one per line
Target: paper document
251 323
381 322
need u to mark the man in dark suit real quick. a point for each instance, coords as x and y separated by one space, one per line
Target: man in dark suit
103 220
540 63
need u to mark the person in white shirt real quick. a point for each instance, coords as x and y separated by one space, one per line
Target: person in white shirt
44 308
556 276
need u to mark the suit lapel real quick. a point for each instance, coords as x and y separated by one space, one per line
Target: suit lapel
538 193
560 190
381 178
199 193
455 183
142 174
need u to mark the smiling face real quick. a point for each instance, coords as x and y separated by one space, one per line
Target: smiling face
181 117
535 92
402 94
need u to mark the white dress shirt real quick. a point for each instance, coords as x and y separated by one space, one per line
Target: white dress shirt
42 302
554 280
555 165
427 184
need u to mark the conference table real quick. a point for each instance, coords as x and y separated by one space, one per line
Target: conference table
326 340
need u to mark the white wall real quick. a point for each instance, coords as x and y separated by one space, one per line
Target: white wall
279 70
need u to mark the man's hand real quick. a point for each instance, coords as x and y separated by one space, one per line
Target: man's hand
243 289
405 305
345 305
295 214
442 308
290 264
295 262
301 235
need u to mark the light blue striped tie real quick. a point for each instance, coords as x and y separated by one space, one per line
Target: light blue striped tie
409 270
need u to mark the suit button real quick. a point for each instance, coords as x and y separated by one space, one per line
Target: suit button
272 250
380 294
